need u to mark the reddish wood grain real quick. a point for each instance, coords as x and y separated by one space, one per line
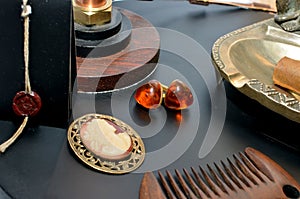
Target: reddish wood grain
134 63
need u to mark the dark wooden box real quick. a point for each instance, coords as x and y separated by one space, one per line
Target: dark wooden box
52 63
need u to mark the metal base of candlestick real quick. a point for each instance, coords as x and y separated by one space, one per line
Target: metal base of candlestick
104 40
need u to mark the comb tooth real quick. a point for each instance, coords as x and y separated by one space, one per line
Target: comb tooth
259 161
226 178
150 187
166 186
177 190
239 173
254 170
197 190
246 171
220 183
188 192
211 184
208 192
233 177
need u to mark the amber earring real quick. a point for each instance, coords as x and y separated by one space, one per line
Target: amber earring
177 96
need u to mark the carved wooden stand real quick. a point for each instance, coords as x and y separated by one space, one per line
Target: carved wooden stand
98 72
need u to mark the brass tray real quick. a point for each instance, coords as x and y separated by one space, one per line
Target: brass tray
246 58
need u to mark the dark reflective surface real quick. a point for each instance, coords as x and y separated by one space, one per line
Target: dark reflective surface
41 165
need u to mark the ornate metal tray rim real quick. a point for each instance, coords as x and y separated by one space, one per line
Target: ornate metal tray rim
270 96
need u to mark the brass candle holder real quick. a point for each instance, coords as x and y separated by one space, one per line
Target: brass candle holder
112 43
92 12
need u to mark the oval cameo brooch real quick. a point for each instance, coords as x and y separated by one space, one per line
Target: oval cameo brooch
106 143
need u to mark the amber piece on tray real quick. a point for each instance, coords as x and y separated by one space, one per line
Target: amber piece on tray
27 104
150 94
178 96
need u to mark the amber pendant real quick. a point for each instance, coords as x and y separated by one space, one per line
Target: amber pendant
149 95
178 96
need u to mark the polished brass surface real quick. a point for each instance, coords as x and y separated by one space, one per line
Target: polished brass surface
92 15
91 3
263 5
247 57
129 164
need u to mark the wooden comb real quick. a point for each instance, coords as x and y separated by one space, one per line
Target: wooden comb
251 175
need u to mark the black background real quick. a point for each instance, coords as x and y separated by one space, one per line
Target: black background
41 165
50 68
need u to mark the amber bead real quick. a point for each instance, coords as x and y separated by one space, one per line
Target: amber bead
26 104
178 96
149 95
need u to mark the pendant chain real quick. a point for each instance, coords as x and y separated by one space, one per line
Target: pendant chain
26 11
25 14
